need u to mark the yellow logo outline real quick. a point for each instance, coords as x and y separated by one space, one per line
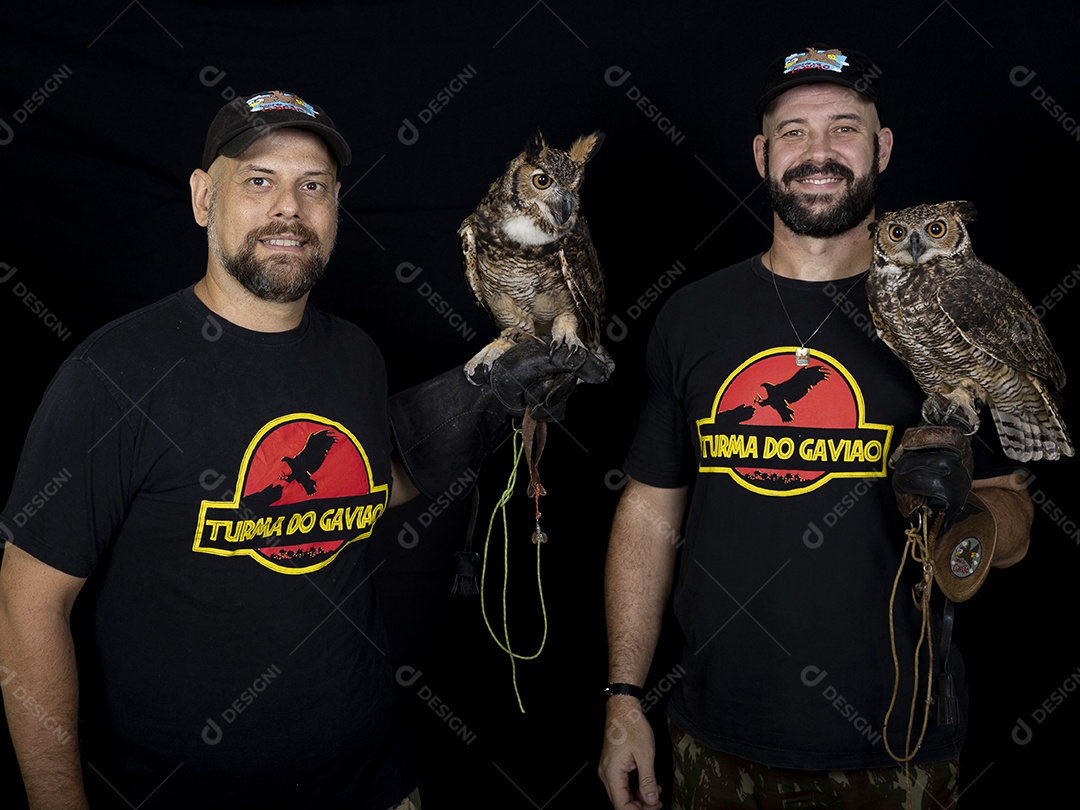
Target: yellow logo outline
241 479
828 476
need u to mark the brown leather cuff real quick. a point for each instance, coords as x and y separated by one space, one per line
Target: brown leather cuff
962 555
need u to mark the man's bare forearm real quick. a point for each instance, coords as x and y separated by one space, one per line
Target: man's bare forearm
637 583
39 683
639 574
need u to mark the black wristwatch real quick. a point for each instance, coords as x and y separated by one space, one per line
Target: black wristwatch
613 689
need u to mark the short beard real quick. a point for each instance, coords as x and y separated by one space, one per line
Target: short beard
848 212
279 279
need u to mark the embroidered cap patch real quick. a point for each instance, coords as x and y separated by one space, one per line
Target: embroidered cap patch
812 59
277 100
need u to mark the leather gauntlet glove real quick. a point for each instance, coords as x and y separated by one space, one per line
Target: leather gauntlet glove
933 465
444 427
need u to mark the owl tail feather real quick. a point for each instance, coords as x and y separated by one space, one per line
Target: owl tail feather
1027 436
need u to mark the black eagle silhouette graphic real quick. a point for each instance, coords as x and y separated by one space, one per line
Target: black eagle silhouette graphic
728 419
257 502
308 460
781 395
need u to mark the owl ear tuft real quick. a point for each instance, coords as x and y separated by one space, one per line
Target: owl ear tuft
535 146
586 146
966 210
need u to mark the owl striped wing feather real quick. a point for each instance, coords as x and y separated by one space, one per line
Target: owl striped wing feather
1013 362
586 284
993 315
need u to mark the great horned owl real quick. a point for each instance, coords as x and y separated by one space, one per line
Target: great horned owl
528 255
969 336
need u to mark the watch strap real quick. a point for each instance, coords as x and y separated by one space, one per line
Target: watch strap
633 690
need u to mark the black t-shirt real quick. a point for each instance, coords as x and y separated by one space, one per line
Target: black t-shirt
219 488
792 538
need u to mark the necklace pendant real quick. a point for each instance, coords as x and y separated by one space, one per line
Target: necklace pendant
802 356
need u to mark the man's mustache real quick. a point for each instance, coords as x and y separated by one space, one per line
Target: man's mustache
808 169
295 229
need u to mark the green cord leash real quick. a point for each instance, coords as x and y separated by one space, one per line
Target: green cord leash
500 507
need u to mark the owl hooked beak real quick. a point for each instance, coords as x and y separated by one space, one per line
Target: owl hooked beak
915 245
561 207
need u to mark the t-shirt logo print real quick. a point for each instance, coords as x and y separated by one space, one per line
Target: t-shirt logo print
303 493
780 431
308 460
798 385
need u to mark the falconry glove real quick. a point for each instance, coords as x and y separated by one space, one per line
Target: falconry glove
933 468
445 427
933 465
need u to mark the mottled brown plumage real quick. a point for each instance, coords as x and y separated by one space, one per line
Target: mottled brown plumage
528 255
969 336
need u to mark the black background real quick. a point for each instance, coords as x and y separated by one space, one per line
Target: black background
104 109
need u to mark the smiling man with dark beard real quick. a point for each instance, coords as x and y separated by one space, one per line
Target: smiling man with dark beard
200 432
281 278
748 721
798 211
265 229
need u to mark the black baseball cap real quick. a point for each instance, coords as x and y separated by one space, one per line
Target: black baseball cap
243 121
817 64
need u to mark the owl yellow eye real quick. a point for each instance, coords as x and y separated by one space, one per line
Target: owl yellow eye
541 180
937 228
897 232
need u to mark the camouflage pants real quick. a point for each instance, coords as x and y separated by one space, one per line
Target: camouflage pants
707 779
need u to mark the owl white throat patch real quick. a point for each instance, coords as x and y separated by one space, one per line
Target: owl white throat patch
524 230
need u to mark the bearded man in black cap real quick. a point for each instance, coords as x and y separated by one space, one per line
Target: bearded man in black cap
228 452
769 394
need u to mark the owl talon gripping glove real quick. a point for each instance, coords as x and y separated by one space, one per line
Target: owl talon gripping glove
443 428
933 465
